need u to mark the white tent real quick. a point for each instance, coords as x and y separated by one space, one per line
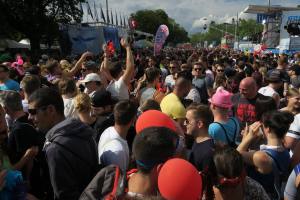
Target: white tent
11 44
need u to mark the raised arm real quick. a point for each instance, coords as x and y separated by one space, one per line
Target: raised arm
78 64
129 62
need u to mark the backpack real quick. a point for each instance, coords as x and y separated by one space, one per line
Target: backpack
108 184
229 142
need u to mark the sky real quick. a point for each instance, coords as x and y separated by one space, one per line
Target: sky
192 14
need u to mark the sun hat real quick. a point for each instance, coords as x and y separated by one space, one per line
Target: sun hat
222 98
178 179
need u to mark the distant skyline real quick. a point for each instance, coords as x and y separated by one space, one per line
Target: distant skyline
190 14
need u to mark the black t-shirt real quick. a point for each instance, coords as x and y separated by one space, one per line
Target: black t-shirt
22 136
202 154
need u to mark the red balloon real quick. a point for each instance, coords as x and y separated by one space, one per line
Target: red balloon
178 179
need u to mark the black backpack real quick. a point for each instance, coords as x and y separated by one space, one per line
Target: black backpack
108 184
229 142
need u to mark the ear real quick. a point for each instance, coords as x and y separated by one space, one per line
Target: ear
200 124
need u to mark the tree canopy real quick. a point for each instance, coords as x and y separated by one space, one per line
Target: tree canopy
37 19
246 28
149 21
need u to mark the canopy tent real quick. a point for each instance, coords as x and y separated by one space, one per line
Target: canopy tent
143 44
11 44
256 9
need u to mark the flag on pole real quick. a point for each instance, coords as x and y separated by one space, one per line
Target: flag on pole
102 14
89 10
96 13
160 38
117 23
112 17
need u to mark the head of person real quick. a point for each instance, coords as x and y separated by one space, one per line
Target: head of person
150 104
276 123
220 69
228 174
248 88
183 83
92 82
151 61
220 81
153 146
4 72
178 179
173 67
152 75
294 70
264 104
293 97
275 78
198 69
46 108
67 86
102 102
12 103
116 70
198 117
221 102
82 103
65 65
184 67
88 67
29 84
53 67
258 77
125 113
282 62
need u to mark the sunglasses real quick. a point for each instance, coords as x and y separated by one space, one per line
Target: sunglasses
198 69
220 70
172 67
33 111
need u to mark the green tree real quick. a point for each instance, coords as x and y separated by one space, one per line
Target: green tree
215 32
37 19
149 21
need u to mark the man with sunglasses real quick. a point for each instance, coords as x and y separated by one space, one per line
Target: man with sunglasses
70 149
203 83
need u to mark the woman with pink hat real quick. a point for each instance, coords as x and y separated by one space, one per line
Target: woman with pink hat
224 129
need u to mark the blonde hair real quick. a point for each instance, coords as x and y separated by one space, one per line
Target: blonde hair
292 92
82 102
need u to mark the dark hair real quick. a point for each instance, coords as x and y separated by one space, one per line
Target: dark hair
115 69
67 86
153 146
278 121
12 100
264 104
186 75
124 112
150 104
30 83
47 96
51 65
151 74
228 163
202 112
5 68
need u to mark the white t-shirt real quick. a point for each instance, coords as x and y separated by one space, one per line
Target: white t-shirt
294 130
69 111
194 95
267 91
118 89
146 93
113 149
170 81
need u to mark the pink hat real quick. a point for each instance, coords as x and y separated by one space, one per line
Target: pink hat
178 179
222 98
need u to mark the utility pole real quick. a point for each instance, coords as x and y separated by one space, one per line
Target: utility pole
236 30
107 14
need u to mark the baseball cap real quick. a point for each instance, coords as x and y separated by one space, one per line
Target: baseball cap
154 118
222 98
275 76
91 77
102 98
178 179
90 65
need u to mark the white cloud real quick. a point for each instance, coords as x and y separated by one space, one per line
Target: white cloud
190 13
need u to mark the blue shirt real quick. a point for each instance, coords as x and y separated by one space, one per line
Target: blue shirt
10 85
217 132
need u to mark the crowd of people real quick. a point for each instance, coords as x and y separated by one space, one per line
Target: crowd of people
184 125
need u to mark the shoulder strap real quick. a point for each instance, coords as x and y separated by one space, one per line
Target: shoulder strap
275 161
236 129
297 169
225 132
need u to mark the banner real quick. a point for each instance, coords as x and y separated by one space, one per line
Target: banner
160 38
